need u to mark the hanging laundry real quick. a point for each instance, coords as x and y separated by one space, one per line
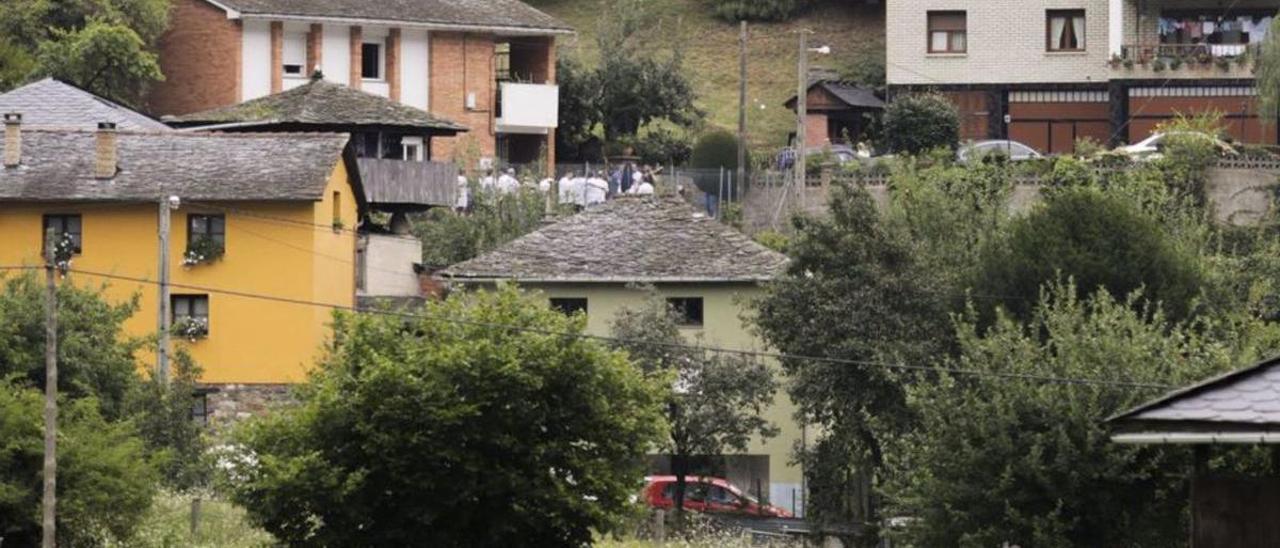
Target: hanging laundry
1194 29
1209 27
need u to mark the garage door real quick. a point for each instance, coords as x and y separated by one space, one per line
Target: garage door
975 113
1149 107
1052 121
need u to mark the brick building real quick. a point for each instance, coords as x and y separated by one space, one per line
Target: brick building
1047 72
486 64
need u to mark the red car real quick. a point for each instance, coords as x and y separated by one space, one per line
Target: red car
707 494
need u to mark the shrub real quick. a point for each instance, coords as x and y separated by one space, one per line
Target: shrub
663 146
757 10
920 122
715 149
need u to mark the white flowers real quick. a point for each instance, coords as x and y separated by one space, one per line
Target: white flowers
191 328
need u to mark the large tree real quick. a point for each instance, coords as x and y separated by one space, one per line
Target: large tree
1268 76
487 420
715 401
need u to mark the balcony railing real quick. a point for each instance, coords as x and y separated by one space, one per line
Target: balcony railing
1174 55
405 183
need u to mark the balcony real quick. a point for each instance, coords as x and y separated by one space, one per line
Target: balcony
399 185
1186 61
532 109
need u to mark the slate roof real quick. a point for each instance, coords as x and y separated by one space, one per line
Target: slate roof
58 165
321 103
486 14
51 103
849 94
629 239
1249 396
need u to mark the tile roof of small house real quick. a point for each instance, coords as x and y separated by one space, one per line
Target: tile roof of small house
479 14
851 95
1246 397
52 103
58 165
630 239
321 103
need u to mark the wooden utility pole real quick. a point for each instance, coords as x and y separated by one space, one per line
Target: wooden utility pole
742 103
162 321
50 499
802 90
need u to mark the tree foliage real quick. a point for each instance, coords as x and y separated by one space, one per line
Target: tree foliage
714 402
1268 74
995 460
443 430
920 122
105 478
757 10
162 414
715 149
450 237
105 46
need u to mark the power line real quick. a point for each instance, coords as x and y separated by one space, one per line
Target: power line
618 340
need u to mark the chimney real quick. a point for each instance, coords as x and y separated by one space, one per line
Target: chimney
12 139
104 163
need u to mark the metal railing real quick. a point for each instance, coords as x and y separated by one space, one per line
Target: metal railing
1188 53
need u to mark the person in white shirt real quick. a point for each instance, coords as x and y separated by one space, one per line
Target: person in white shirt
544 186
460 204
566 188
507 183
643 189
597 190
488 183
579 186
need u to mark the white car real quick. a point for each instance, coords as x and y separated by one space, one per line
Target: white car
1012 150
1152 147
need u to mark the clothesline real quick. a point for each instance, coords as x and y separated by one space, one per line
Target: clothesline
1252 28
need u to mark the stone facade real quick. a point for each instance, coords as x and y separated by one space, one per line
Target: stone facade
201 60
228 404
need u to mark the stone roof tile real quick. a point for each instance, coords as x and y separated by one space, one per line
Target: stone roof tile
466 13
50 103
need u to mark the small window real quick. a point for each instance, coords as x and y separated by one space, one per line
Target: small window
688 310
63 226
1065 30
337 209
371 61
293 56
947 32
569 306
412 148
200 408
189 315
213 227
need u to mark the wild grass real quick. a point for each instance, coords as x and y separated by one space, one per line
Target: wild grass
222 525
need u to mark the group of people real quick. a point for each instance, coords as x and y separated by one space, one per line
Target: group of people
581 189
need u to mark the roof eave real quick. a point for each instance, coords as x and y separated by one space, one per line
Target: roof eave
489 279
423 25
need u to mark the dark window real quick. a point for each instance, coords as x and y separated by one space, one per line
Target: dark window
200 408
371 61
189 314
569 307
63 225
688 309
502 62
213 227
1065 30
947 32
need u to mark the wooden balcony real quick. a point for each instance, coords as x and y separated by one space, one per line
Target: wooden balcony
403 185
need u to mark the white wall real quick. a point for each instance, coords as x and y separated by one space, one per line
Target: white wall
255 80
414 66
336 56
389 261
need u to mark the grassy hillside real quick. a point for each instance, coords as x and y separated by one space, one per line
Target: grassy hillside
853 31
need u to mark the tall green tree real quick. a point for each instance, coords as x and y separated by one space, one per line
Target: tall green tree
715 402
105 46
1268 74
448 430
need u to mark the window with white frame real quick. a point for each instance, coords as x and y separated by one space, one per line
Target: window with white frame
372 61
948 32
412 148
293 56
1066 30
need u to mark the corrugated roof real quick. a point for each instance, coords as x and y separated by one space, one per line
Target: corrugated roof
51 103
628 239
321 103
58 165
1249 396
470 13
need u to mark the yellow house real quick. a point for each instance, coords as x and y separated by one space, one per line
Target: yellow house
593 261
281 207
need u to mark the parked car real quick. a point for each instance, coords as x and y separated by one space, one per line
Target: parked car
1012 150
707 494
842 154
1153 147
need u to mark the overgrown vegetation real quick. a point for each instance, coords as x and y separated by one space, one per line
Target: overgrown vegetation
494 219
921 122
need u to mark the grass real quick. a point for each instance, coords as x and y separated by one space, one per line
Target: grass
222 525
711 54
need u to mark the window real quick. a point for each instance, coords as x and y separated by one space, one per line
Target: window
688 310
947 32
63 226
189 315
412 148
720 495
1065 30
213 227
569 306
337 209
200 408
371 61
293 56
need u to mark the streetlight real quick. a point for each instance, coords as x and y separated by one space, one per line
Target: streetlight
802 108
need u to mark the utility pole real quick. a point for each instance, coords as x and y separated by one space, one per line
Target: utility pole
50 499
162 346
742 102
802 89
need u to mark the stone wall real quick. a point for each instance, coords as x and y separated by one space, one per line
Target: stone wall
229 404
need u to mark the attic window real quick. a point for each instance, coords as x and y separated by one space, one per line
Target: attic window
294 55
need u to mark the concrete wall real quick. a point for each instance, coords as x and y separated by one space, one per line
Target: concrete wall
388 265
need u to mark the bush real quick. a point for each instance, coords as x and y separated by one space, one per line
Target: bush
757 10
917 123
715 149
663 146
